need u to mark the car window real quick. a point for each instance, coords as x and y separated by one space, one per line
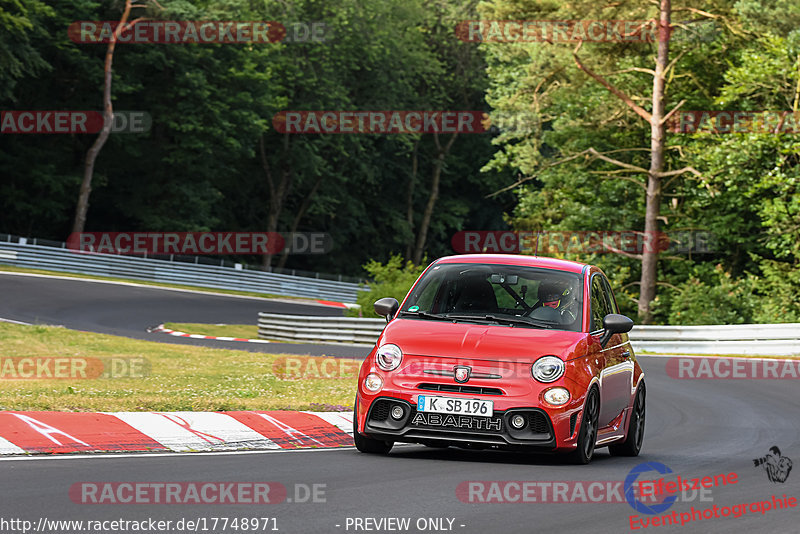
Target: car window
426 295
540 295
599 303
609 295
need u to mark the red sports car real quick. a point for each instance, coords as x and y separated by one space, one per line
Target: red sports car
508 352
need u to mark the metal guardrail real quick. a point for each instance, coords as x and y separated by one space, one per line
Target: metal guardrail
236 263
758 339
750 339
319 329
154 270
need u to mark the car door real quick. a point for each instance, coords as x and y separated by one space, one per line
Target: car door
617 372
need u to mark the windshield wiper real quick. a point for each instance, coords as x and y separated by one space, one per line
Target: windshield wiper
424 315
522 320
507 320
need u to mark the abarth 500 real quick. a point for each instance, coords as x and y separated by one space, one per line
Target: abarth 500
504 352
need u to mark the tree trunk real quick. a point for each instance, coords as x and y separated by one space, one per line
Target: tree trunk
412 182
82 208
278 191
653 202
438 163
299 216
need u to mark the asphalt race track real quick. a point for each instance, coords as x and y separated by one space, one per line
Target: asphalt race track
126 310
696 428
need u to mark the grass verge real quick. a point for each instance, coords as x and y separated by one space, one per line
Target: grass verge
248 331
179 378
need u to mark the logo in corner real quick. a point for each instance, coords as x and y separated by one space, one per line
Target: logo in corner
777 466
630 489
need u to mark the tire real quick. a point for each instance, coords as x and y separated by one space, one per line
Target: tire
633 441
587 436
365 444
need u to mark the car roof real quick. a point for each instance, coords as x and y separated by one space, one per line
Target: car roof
517 259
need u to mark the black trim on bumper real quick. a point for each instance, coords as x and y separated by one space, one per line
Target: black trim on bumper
463 430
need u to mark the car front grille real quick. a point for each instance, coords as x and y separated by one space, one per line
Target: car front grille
538 422
380 411
457 388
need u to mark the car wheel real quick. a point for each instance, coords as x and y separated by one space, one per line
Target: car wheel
365 444
587 436
633 441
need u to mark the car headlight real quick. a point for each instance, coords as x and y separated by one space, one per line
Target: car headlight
547 369
389 357
556 396
373 382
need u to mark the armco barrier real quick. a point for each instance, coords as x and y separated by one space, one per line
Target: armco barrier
764 339
750 339
319 329
210 276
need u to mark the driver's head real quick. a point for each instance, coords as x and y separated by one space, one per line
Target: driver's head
551 293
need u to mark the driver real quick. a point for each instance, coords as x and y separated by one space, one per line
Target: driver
559 296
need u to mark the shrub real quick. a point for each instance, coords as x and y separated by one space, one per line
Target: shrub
713 298
392 279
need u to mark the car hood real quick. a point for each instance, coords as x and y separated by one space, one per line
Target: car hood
517 344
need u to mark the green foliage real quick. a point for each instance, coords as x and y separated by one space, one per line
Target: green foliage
20 25
747 195
713 297
779 293
391 279
200 166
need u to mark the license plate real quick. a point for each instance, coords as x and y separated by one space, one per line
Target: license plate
432 404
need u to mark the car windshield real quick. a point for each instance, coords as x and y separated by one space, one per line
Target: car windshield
506 294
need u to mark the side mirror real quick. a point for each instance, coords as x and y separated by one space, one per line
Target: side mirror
614 323
387 307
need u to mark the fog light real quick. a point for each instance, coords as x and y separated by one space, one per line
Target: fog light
373 382
517 421
556 396
397 412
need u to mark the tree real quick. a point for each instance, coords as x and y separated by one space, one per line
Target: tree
536 153
655 174
108 117
20 20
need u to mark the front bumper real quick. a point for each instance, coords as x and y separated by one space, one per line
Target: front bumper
507 384
460 430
